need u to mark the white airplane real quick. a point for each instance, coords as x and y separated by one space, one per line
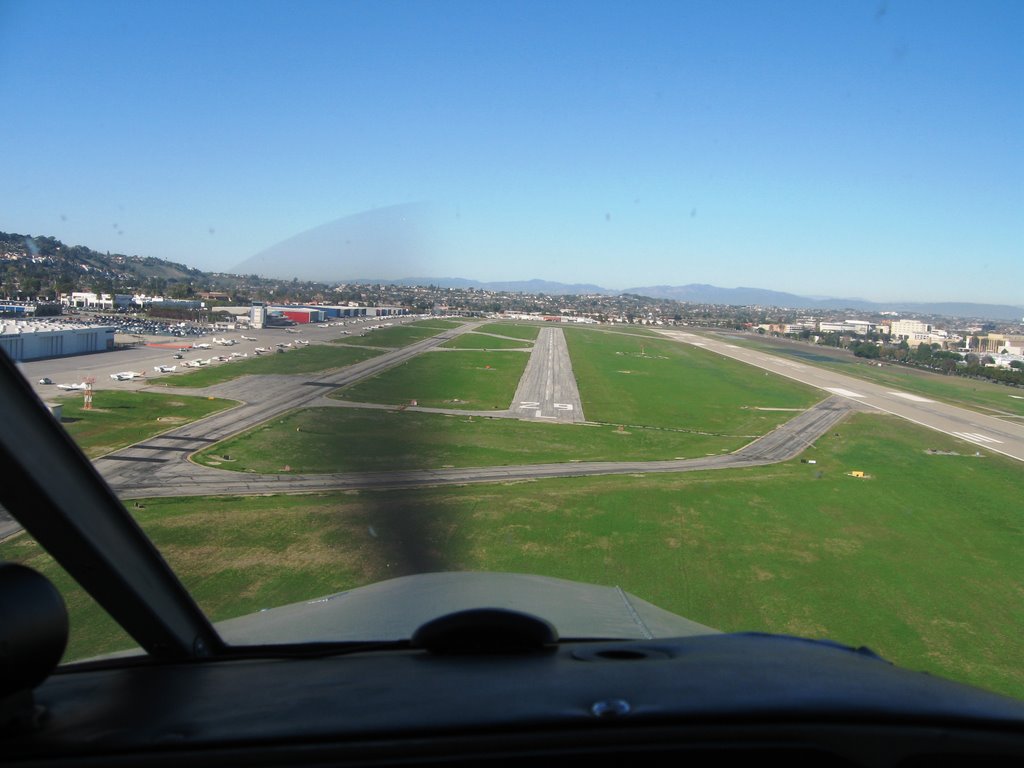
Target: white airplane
72 387
167 368
237 355
194 363
127 375
200 346
302 341
248 338
225 342
262 349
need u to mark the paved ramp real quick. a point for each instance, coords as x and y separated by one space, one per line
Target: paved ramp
547 391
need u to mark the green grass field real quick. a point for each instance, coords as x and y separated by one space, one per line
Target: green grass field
118 419
309 359
308 441
985 396
473 340
464 380
444 323
920 560
525 332
657 382
628 330
398 335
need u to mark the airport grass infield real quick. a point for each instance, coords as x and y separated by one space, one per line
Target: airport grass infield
119 419
469 380
398 336
477 340
315 440
653 381
311 359
516 330
919 560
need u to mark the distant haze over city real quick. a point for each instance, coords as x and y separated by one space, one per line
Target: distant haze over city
401 238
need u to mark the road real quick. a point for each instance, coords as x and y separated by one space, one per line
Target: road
980 430
547 389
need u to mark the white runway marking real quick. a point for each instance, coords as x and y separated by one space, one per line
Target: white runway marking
976 437
914 398
563 406
732 346
842 392
529 404
698 344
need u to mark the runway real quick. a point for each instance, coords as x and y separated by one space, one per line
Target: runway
978 429
547 391
158 467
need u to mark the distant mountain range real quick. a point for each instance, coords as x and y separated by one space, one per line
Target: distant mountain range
508 286
402 236
710 294
697 293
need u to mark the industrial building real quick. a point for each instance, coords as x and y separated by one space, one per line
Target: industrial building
38 339
300 315
319 313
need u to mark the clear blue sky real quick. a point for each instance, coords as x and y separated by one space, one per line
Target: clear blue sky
868 149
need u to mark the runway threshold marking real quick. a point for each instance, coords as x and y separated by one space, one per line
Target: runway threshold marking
914 398
842 392
977 437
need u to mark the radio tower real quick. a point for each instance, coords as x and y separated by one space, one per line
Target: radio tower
87 405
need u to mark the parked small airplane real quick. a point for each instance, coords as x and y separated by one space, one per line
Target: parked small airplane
72 387
167 368
200 346
248 338
127 375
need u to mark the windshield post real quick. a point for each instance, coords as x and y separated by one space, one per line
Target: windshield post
56 494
